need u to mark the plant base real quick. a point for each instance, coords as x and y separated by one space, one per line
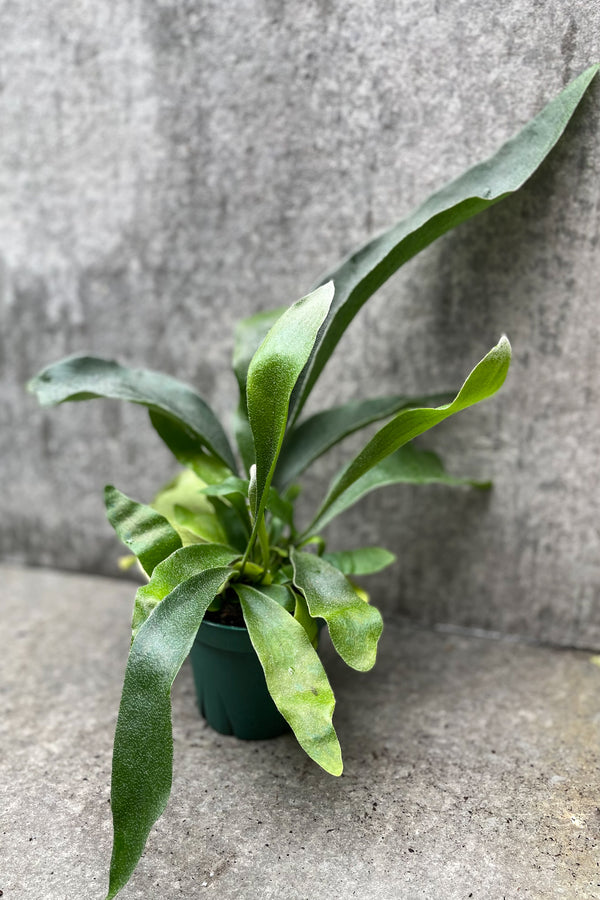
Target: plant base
230 684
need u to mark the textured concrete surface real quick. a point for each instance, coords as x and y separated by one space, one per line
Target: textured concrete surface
166 167
472 770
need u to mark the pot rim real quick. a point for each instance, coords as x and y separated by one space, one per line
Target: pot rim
210 624
232 638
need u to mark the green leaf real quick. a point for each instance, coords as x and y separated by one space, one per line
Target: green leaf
408 465
485 379
229 501
243 436
280 508
234 520
143 750
316 435
186 450
87 378
302 615
182 502
249 335
359 276
272 375
179 567
146 533
281 595
354 626
363 561
295 676
194 526
239 487
227 488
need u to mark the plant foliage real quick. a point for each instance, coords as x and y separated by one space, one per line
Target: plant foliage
217 532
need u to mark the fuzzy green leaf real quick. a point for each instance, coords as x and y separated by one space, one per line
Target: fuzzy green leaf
249 335
185 448
359 276
281 594
179 567
182 502
485 379
295 676
354 626
302 615
143 750
316 435
227 488
234 520
272 375
146 533
195 527
239 487
408 465
88 378
363 561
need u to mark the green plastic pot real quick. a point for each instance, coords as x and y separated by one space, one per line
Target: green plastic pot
230 684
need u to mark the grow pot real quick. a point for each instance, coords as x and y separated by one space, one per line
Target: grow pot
230 684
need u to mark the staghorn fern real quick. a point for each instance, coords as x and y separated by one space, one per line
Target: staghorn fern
216 531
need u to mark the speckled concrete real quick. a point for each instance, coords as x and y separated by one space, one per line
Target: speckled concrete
472 770
167 167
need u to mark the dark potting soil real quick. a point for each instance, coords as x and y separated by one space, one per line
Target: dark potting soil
229 614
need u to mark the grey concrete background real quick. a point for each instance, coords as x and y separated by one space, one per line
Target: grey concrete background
167 167
471 770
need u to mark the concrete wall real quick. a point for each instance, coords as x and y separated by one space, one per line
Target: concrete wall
167 167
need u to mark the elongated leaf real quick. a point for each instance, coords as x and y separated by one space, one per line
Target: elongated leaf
363 561
408 465
182 502
485 379
87 378
295 676
187 451
317 434
234 520
249 335
179 567
302 615
238 487
146 533
359 276
243 436
143 750
227 488
194 527
281 594
232 514
272 375
354 626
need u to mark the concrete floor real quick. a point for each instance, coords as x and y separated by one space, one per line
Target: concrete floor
472 770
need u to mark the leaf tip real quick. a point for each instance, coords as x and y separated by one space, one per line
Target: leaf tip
504 343
335 765
329 289
502 354
591 71
36 385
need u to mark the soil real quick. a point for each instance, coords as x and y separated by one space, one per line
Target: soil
229 614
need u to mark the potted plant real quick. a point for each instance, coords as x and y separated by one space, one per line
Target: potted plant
227 564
